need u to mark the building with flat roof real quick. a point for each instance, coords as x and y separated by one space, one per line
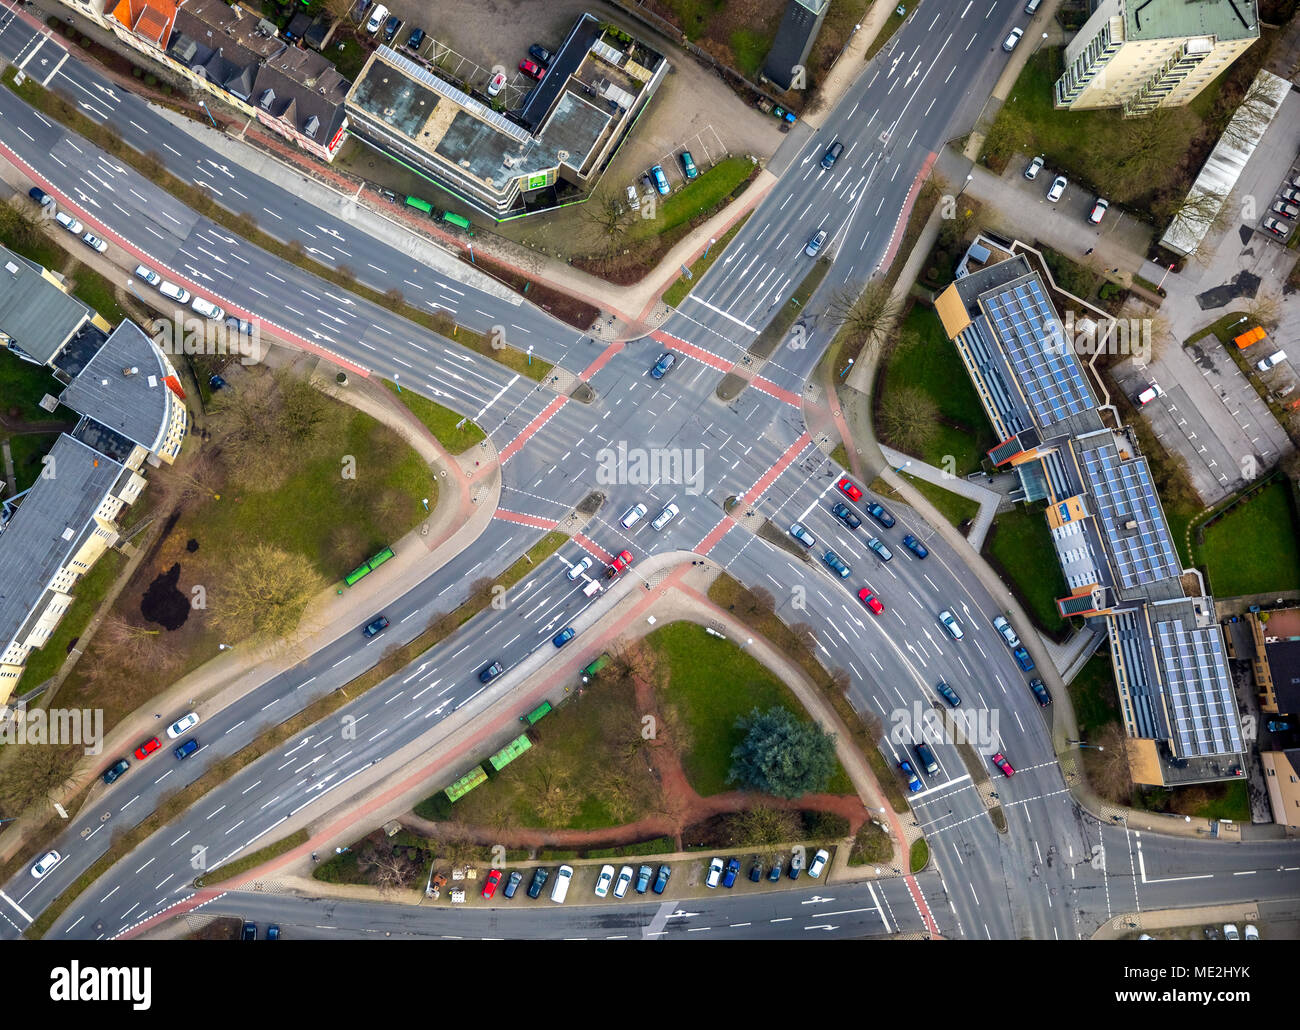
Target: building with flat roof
1138 55
1282 779
38 316
1106 523
509 163
786 63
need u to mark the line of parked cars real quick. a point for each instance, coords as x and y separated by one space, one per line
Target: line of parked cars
1286 203
641 881
1057 190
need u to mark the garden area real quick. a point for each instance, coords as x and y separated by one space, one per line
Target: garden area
1019 547
1254 546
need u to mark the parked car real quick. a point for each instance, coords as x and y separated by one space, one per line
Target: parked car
633 515
490 883
815 244
832 154
795 867
490 672
661 367
883 552
94 243
849 489
1277 725
564 636
376 625
661 881
1230 932
186 749
845 514
391 26
914 783
207 309
415 38
1278 229
714 876
1098 212
688 164
633 199
774 874
579 567
623 882
660 180
1252 934
40 196
666 516
948 694
603 881
1276 358
836 563
1000 761
1035 166
45 863
496 84
733 870
540 876
512 884
915 546
1040 692
951 624
148 275
115 770
1012 39
68 222
249 932
183 725
377 18
878 512
273 932
818 863
532 69
147 748
540 54
1057 189
1284 209
643 876
1022 658
868 598
756 871
1008 634
1291 194
801 534
173 292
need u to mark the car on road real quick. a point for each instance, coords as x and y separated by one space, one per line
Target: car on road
1278 229
883 552
878 512
490 885
1040 692
496 84
774 874
756 871
207 309
623 882
1230 932
1057 189
1008 634
490 672
688 164
45 863
1022 658
1099 207
579 567
661 881
1035 166
620 563
661 367
951 624
915 546
914 783
185 750
540 876
148 275
666 516
948 694
733 870
815 244
564 636
115 770
94 243
1284 209
801 534
540 54
633 515
795 867
415 38
868 598
1277 725
147 748
926 757
532 69
512 884
182 725
832 154
376 625
837 564
660 180
173 292
818 863
1012 39
40 196
849 489
845 514
643 877
714 876
68 222
1001 762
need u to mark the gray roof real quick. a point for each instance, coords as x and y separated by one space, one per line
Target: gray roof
49 525
36 316
1198 685
137 405
1178 19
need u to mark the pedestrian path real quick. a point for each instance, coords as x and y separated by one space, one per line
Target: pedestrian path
988 500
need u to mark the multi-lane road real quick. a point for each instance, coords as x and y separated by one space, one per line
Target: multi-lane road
1055 873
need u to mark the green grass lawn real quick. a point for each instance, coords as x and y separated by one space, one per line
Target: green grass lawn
887 31
955 508
712 683
22 385
1234 804
1020 546
677 292
96 291
700 197
932 364
440 421
1092 693
751 49
1253 549
27 451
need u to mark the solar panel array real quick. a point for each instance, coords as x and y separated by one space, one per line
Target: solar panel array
1124 494
1040 355
1199 690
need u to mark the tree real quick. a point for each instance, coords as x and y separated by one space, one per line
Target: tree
1264 309
392 870
1202 212
1140 150
1112 778
126 647
780 755
35 773
865 317
763 829
1254 112
909 419
264 593
338 9
556 799
756 601
607 220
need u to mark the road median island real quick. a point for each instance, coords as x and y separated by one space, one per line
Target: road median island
151 166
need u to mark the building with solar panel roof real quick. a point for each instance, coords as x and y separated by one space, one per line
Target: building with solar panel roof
1110 533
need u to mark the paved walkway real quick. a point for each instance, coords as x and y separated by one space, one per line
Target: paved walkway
988 500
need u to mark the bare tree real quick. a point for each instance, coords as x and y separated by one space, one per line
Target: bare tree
908 419
392 871
805 635
763 829
1264 309
36 773
607 219
1254 111
556 799
1112 778
755 601
841 681
1139 148
264 593
866 317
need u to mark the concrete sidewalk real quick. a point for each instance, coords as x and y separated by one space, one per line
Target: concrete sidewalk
988 500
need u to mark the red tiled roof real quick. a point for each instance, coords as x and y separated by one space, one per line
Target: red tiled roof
148 19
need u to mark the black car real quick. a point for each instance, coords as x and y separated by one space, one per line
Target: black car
948 694
512 884
832 154
391 26
415 38
1040 692
540 876
490 672
375 626
661 881
666 361
845 514
40 196
116 769
880 515
250 932
540 54
756 870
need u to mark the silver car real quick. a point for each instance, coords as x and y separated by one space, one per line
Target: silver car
951 624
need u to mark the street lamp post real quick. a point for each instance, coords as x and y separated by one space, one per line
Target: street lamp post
204 105
969 177
902 466
1084 743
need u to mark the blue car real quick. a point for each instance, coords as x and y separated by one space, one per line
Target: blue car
186 749
1023 659
877 512
661 881
661 367
688 165
837 563
796 866
913 781
845 514
733 870
564 636
915 546
643 879
948 694
661 181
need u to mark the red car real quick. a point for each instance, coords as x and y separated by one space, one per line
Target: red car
1001 762
621 562
490 884
147 748
849 489
529 68
871 601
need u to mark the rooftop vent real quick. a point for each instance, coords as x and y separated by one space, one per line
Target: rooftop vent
131 370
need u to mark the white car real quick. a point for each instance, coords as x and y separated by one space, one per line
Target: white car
377 18
604 880
951 624
579 567
633 201
1008 634
1012 39
625 881
94 242
207 309
1252 934
183 725
664 517
1230 932
68 222
177 293
1098 211
496 84
148 275
1035 166
1057 188
818 863
1276 358
47 862
633 515
715 873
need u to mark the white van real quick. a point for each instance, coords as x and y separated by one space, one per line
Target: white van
68 222
592 588
562 879
377 17
1276 358
176 293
